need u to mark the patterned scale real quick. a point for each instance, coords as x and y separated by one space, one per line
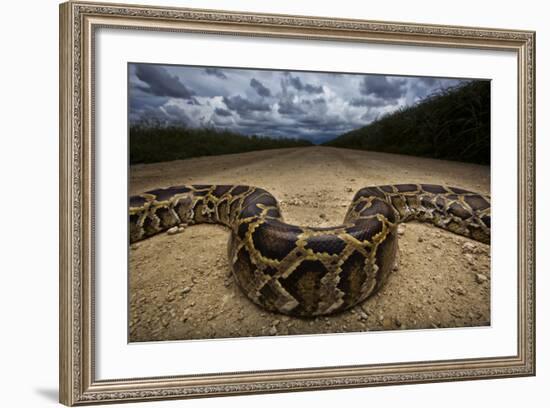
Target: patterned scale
304 271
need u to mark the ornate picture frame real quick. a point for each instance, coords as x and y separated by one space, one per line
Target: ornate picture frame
79 22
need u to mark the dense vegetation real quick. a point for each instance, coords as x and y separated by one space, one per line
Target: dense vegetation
156 144
453 124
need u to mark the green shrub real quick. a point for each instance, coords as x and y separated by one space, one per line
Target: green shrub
453 124
157 144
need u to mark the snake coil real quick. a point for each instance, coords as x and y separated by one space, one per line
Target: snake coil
306 271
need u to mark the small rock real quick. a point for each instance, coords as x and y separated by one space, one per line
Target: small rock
470 258
272 331
362 315
323 216
349 189
387 323
134 246
436 245
185 290
420 239
468 247
275 322
398 322
401 229
173 230
455 313
480 278
367 310
460 291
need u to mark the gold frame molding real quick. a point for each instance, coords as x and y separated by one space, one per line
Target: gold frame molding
78 22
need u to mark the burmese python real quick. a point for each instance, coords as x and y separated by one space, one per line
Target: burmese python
305 271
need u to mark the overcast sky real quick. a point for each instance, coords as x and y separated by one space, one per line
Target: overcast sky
310 105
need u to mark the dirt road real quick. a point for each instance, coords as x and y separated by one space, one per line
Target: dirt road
181 287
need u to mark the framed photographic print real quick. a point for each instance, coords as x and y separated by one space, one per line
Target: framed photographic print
258 203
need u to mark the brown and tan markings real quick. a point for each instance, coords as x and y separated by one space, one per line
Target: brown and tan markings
305 271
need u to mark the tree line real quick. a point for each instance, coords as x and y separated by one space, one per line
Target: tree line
451 124
150 144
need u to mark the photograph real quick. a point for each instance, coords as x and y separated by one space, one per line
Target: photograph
270 202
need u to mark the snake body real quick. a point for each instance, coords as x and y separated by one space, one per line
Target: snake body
306 271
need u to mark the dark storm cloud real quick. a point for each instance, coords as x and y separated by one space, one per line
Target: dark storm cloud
272 129
424 87
177 114
142 100
161 83
383 87
311 105
297 83
370 102
222 112
288 107
314 102
260 88
309 128
332 123
427 81
215 72
244 107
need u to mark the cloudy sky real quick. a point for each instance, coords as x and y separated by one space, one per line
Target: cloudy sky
310 105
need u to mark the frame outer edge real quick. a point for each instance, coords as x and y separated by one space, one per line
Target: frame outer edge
526 204
66 304
531 167
534 203
76 382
